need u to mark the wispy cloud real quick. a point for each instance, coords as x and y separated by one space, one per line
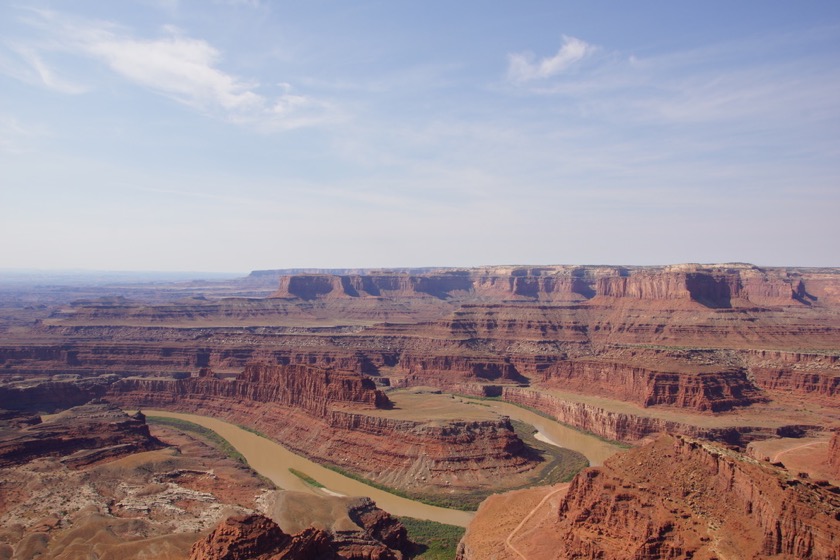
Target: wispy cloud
14 136
183 68
523 68
756 84
35 70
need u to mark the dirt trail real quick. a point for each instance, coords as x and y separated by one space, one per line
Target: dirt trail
778 455
528 517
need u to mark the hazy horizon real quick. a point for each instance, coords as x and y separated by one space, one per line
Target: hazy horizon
240 135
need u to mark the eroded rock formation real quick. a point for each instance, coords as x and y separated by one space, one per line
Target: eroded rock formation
256 537
322 414
718 340
377 536
664 500
676 497
81 436
834 453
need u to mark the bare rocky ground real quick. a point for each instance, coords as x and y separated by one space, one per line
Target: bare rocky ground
152 504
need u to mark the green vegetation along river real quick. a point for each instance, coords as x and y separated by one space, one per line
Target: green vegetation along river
274 461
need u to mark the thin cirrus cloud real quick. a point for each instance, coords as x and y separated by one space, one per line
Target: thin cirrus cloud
523 68
174 65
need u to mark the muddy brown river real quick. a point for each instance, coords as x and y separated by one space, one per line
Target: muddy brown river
274 461
554 433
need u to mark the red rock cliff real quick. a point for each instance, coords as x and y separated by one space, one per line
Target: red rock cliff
306 409
682 498
307 388
834 454
712 391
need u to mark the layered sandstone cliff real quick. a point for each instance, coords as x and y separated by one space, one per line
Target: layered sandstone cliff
321 414
311 389
834 454
664 500
709 285
815 375
676 498
632 427
701 391
82 435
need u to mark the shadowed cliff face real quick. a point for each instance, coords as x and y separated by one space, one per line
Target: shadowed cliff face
82 435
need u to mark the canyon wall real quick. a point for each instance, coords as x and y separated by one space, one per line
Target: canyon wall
647 504
834 454
712 391
627 427
815 375
713 286
675 497
321 414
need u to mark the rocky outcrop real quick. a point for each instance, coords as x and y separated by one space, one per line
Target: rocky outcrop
706 391
82 435
377 536
627 427
256 537
357 528
379 525
663 500
834 454
307 388
676 497
814 375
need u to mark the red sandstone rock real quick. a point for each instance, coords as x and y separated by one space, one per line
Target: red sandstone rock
665 500
308 410
681 498
255 537
707 391
607 331
82 435
834 453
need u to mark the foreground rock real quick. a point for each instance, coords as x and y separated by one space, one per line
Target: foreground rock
116 501
679 498
357 528
256 537
367 534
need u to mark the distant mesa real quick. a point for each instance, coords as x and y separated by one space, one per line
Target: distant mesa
715 286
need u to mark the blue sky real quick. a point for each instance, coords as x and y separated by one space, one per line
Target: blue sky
240 135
